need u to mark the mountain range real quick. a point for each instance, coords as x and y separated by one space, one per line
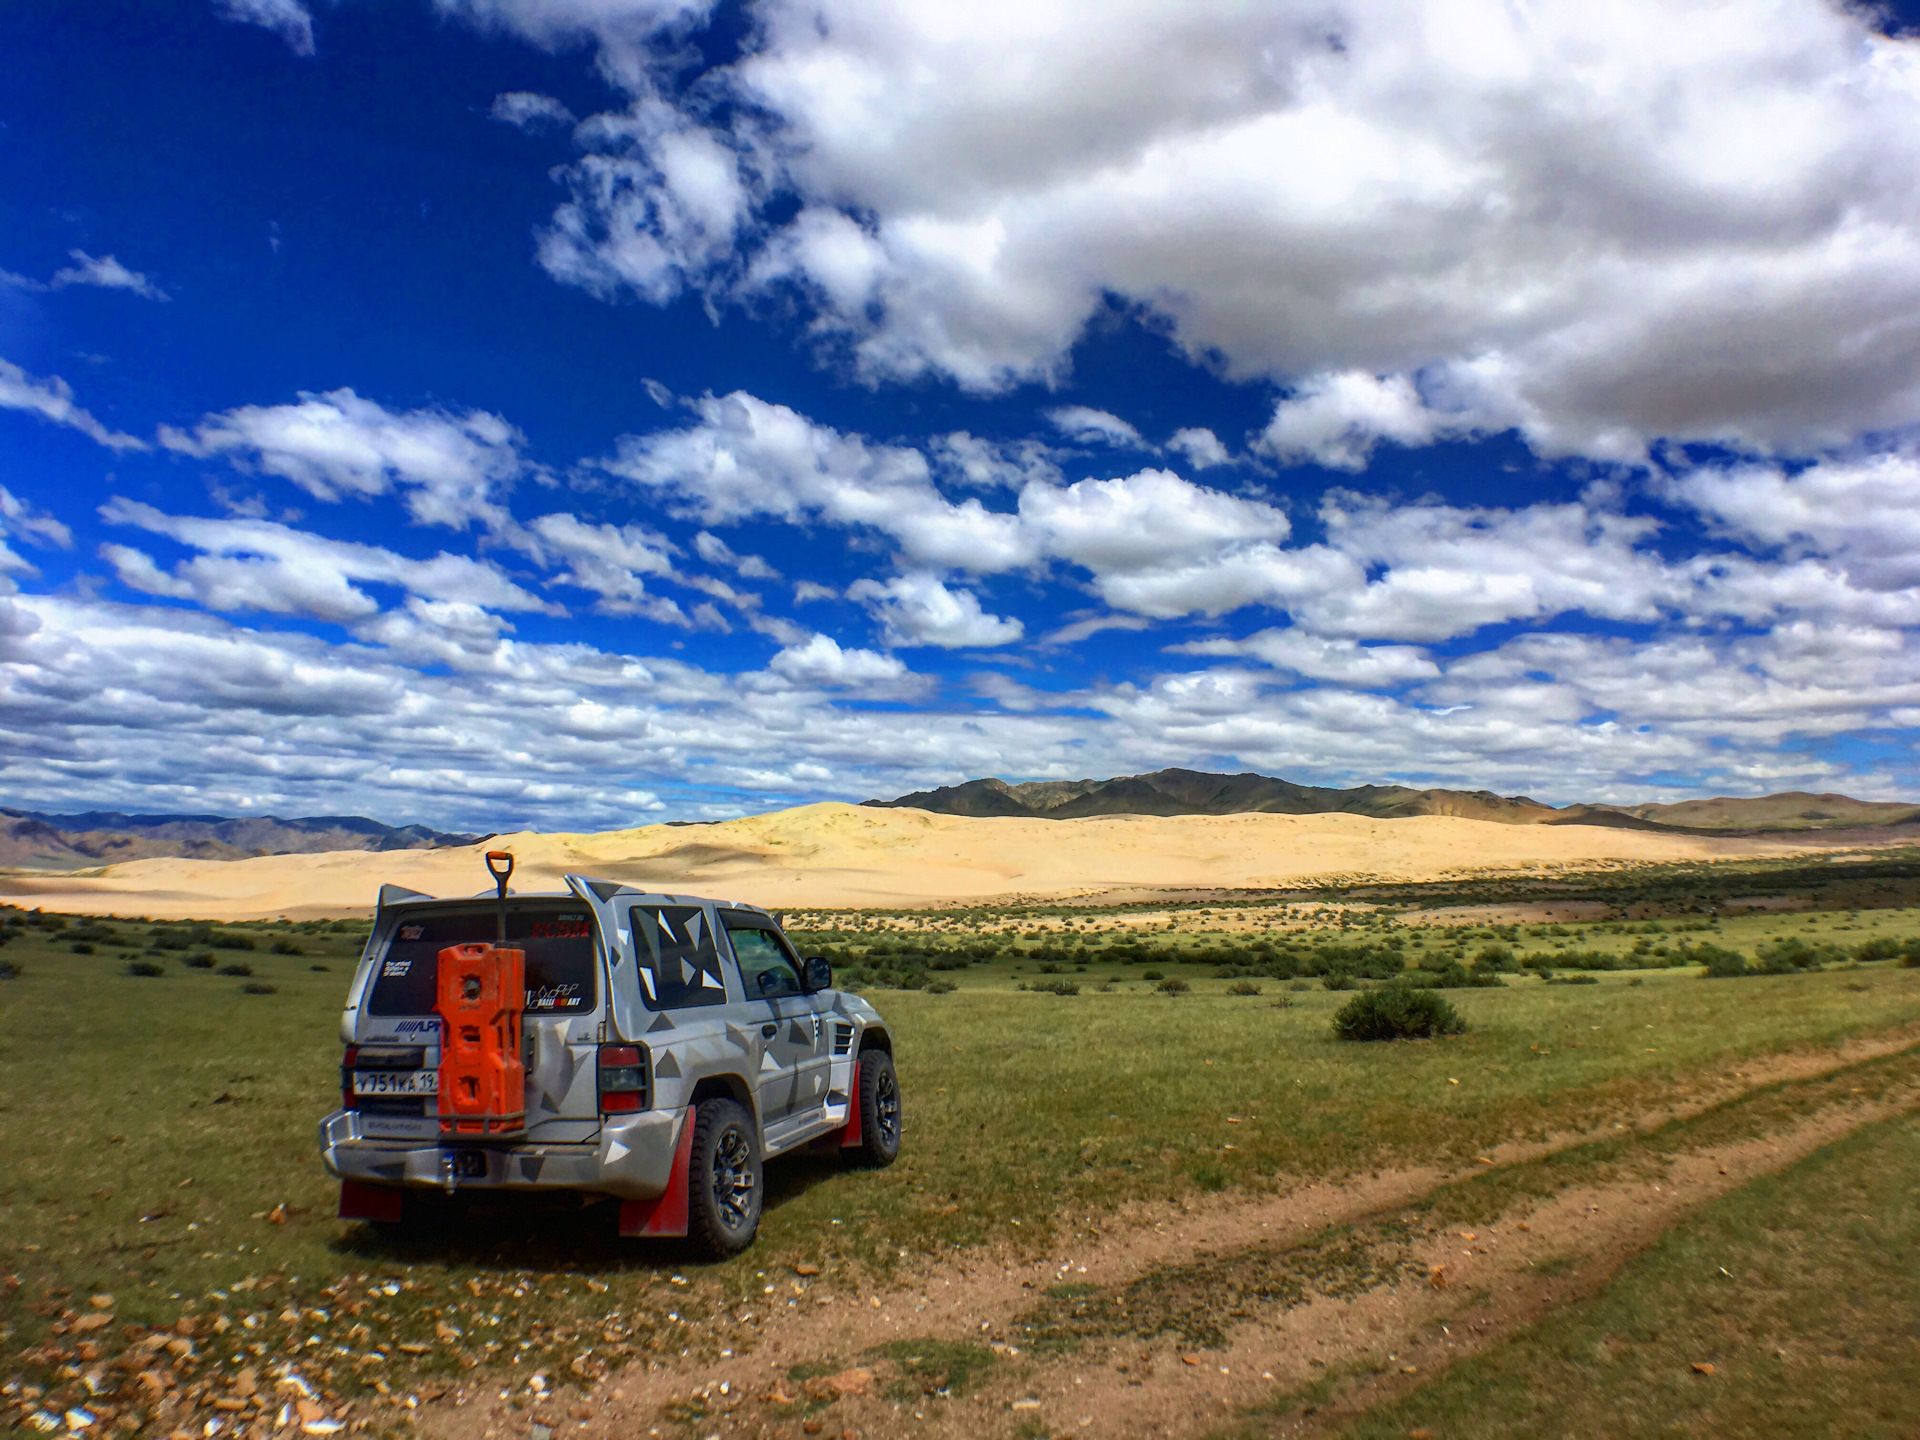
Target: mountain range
36 841
1193 792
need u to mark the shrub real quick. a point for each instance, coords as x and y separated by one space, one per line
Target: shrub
1881 947
1721 963
146 968
256 987
934 987
238 967
1337 982
1055 987
231 942
9 970
1574 980
323 969
1173 986
1495 957
1396 1012
199 960
80 947
1152 975
1243 987
284 946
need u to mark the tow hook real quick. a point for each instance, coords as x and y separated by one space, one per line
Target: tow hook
449 1176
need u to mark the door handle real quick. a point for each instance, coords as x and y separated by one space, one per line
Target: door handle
769 1030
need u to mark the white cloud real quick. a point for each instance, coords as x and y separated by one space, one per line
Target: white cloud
52 399
258 565
1608 222
821 661
449 469
1320 658
917 609
610 560
808 590
1200 446
1863 514
106 273
715 551
289 19
527 111
24 521
1145 521
1336 420
1096 427
745 458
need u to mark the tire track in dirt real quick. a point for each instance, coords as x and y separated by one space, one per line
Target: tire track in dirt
1167 1386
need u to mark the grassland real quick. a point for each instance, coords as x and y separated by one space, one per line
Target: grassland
159 1130
1789 1309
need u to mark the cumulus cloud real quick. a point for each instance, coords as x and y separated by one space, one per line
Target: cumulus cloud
527 111
1336 420
24 521
52 399
258 565
1096 427
449 469
1200 446
612 561
106 273
289 19
715 551
917 609
1604 223
820 661
1319 658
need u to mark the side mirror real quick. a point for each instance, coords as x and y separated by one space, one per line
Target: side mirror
819 974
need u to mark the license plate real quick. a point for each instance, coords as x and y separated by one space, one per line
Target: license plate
396 1082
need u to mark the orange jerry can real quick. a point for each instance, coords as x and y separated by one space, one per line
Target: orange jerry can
483 1085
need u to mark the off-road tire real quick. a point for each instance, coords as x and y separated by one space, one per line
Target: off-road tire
879 1102
725 1183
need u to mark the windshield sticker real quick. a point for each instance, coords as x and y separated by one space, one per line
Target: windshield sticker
554 997
397 967
563 927
412 932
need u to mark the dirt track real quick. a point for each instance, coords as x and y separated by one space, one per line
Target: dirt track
1246 1300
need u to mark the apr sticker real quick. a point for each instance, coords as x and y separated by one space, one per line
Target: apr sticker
397 968
412 932
562 927
417 1027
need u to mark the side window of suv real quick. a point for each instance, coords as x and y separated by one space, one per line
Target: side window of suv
679 963
767 968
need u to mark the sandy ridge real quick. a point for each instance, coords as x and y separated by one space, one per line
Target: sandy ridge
835 855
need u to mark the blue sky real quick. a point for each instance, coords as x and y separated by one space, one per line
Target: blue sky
589 412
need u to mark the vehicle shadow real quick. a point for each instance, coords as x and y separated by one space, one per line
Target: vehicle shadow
558 1233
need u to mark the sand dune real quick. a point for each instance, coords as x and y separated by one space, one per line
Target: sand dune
846 855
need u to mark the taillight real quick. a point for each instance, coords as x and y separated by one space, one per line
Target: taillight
623 1079
348 1101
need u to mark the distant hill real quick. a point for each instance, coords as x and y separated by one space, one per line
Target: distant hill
32 840
1194 792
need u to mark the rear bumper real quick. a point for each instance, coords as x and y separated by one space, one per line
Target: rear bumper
632 1158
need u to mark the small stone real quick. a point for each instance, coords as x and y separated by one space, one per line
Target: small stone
277 1215
1421 1432
1703 1367
812 1427
100 1302
806 1267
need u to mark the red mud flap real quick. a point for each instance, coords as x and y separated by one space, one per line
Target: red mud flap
665 1216
850 1136
370 1202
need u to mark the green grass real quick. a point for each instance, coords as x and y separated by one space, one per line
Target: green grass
1027 1115
1802 1290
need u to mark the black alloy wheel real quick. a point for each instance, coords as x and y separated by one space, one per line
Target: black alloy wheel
724 1189
879 1110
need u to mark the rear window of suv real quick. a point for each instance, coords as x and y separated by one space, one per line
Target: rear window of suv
558 940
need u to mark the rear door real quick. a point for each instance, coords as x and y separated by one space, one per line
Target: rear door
566 1003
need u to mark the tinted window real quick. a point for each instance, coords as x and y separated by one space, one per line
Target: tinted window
679 964
767 968
558 940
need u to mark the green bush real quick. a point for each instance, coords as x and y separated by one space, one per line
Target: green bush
1152 975
238 967
1573 980
1243 987
231 942
1337 982
146 968
1396 1012
80 947
256 987
935 986
9 970
1173 986
199 960
1055 987
1721 963
285 947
